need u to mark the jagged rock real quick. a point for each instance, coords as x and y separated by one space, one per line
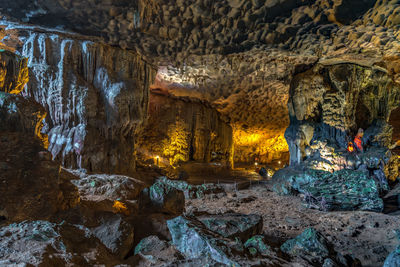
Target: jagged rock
201 127
95 96
393 260
192 191
41 243
341 190
194 240
162 197
110 193
256 244
310 245
116 234
156 252
31 186
233 225
13 72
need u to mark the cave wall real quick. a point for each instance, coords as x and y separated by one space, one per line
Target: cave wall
204 136
96 96
329 102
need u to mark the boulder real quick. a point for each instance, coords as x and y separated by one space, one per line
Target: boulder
256 245
192 191
340 190
162 197
156 252
232 225
116 234
310 245
42 243
109 193
194 240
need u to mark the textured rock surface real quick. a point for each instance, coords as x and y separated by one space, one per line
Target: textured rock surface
31 186
341 190
233 225
96 96
13 72
314 247
41 243
162 197
205 137
393 259
193 240
192 191
331 101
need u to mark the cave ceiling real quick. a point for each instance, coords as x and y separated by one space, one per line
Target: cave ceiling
239 56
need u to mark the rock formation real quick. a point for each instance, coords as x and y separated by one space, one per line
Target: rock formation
90 89
198 128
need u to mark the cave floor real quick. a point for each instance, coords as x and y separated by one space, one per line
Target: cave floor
368 236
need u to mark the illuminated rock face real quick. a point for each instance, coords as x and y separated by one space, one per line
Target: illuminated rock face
331 101
95 96
13 72
181 129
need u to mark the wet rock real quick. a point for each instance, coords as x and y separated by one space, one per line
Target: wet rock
233 225
194 241
162 197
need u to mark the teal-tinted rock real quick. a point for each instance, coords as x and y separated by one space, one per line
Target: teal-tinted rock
393 260
162 197
194 240
340 190
192 191
310 245
256 245
232 225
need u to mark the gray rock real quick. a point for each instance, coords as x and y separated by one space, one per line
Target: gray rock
194 241
162 197
233 225
116 234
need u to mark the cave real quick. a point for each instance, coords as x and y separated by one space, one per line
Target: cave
199 133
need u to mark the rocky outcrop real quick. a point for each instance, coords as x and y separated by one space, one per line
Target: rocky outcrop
107 193
181 129
41 243
233 225
193 240
96 97
13 72
162 197
314 247
340 190
335 98
26 167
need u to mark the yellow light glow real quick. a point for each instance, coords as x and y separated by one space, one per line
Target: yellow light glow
258 143
120 207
